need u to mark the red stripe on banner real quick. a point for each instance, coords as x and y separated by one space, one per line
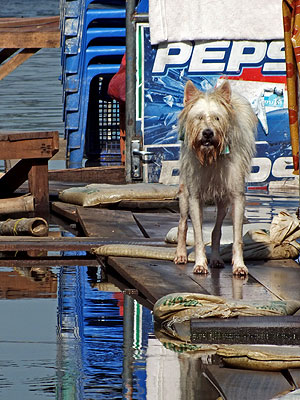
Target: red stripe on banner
255 74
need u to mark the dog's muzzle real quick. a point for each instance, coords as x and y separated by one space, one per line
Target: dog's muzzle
207 138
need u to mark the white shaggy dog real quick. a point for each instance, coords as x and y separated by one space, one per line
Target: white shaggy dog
218 131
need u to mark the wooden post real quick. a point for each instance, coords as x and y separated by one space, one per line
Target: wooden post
39 186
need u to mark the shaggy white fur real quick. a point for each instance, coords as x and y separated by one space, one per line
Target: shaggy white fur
212 122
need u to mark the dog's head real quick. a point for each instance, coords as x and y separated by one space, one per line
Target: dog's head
205 120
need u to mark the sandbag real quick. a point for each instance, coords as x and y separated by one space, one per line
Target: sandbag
174 311
137 251
104 194
279 242
270 358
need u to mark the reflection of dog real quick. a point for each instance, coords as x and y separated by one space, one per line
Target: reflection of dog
218 132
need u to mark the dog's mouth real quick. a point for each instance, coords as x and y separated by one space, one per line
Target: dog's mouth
206 143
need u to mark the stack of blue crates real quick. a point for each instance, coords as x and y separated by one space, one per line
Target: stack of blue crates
93 43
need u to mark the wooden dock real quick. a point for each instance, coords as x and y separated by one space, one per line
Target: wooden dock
148 280
153 279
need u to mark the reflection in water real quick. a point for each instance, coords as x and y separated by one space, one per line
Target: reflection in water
96 356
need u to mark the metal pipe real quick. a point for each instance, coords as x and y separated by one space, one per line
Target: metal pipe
130 109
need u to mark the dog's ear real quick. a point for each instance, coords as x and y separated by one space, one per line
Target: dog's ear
225 91
190 91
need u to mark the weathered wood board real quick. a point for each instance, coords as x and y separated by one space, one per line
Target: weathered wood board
104 223
111 175
36 32
153 278
65 210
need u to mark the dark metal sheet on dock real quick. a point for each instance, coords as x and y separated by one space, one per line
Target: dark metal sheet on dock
283 330
237 384
114 224
154 278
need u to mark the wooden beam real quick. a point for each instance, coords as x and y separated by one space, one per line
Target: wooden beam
15 61
6 53
14 177
25 243
50 261
112 175
39 186
23 33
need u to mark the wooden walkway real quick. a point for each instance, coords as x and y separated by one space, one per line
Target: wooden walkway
150 279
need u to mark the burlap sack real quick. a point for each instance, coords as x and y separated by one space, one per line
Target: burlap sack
103 194
277 243
173 313
270 358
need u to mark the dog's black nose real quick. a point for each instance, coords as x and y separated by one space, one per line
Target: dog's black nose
207 133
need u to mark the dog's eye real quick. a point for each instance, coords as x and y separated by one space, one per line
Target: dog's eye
217 118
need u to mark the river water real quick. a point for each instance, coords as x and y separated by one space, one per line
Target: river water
31 96
65 332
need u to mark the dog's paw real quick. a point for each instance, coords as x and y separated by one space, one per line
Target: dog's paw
200 269
216 262
180 259
240 270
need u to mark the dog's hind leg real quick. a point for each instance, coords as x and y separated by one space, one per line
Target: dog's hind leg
196 212
181 253
238 265
215 259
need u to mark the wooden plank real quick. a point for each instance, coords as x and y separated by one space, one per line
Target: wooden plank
112 175
238 384
104 223
14 62
15 136
25 243
157 205
50 261
157 225
65 210
282 281
24 149
125 287
29 32
28 24
14 177
221 282
154 278
280 331
38 186
6 53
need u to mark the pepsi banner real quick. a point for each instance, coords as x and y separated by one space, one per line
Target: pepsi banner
256 70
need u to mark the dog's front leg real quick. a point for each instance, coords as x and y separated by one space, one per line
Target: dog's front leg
238 265
196 212
181 254
215 259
